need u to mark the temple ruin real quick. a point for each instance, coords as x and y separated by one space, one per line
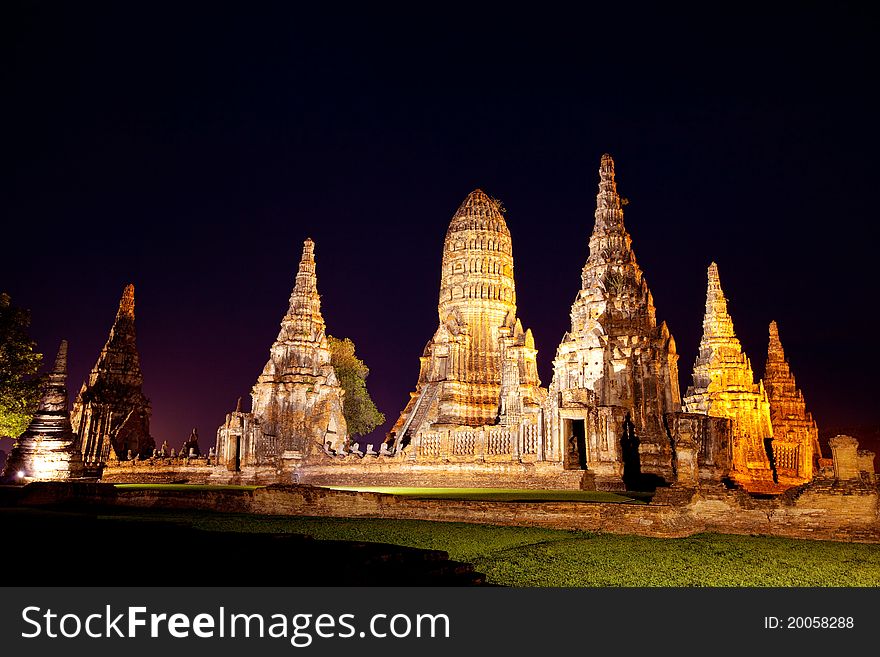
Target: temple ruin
48 449
612 418
296 402
724 386
615 375
111 414
795 435
478 372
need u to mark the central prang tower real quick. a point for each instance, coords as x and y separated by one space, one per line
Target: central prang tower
479 368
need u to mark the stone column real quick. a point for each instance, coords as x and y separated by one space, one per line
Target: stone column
845 453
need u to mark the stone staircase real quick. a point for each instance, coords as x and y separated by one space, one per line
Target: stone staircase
420 411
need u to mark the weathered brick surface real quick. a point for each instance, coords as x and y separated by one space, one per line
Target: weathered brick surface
724 386
159 471
829 511
111 414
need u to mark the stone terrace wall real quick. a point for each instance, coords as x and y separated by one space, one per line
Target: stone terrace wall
829 511
159 471
379 472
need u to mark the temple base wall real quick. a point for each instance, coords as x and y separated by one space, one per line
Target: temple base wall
159 471
823 511
399 472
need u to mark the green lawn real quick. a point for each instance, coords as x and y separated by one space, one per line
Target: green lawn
527 556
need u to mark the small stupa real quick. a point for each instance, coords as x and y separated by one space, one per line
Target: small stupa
48 449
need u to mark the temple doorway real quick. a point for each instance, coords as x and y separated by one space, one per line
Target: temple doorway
234 463
576 437
632 464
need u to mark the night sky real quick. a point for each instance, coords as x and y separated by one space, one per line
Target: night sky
190 150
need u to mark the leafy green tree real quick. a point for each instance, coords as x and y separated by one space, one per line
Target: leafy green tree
19 363
361 414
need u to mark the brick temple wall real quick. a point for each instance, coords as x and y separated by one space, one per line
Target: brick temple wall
159 471
539 475
828 511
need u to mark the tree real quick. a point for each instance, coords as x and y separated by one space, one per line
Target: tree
19 363
361 414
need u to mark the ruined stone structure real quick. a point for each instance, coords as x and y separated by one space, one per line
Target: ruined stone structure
478 396
48 450
615 375
795 435
612 417
190 446
297 401
724 386
111 414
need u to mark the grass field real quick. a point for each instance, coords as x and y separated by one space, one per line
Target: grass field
526 556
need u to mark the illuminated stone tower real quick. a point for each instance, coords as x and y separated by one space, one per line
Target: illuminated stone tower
479 368
724 386
111 415
795 435
297 400
47 450
614 355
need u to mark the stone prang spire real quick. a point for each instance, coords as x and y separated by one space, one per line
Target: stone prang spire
297 398
303 319
47 450
615 353
795 435
111 415
613 319
724 386
609 243
479 368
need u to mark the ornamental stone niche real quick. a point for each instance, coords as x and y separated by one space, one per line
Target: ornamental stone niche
478 395
297 400
111 414
47 450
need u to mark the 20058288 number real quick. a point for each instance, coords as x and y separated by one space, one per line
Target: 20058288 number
820 622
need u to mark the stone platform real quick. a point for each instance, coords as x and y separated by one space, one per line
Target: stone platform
832 511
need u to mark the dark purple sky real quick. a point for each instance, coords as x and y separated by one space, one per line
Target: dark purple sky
190 150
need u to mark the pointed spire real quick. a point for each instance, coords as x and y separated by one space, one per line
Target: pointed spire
54 397
61 359
126 303
713 288
111 413
610 243
238 405
306 280
775 352
717 321
303 318
609 213
793 425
